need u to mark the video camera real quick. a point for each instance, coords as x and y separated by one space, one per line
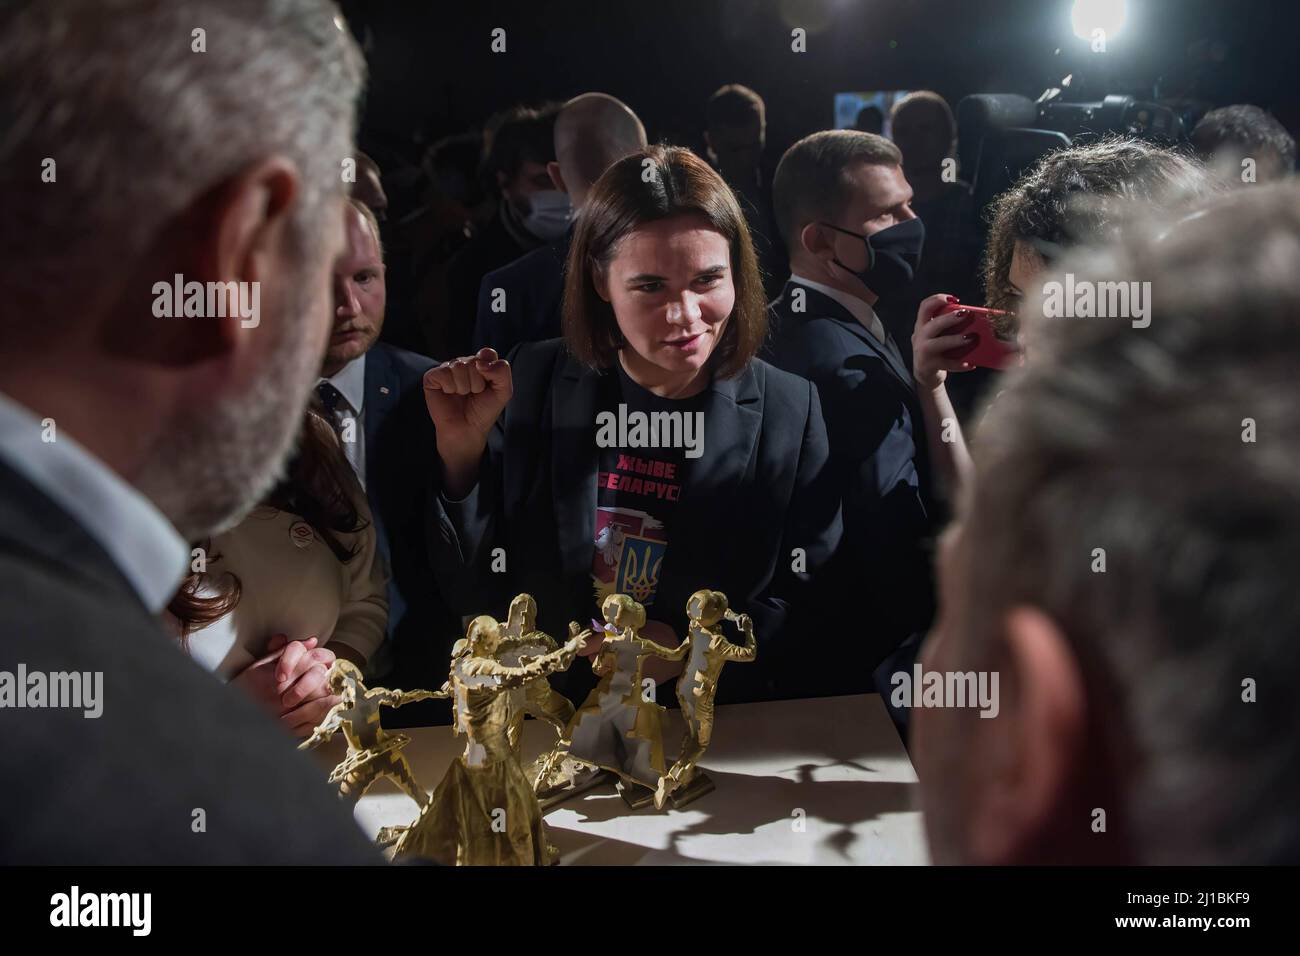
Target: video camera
1001 135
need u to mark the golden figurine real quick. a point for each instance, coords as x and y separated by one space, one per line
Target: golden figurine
521 639
484 811
372 753
619 728
709 652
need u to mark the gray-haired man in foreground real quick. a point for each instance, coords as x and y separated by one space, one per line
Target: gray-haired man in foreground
150 144
1126 560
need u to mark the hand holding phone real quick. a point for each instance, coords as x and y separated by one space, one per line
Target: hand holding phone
987 348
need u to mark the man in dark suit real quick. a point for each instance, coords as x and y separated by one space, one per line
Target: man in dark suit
735 138
129 431
373 393
842 205
520 302
530 213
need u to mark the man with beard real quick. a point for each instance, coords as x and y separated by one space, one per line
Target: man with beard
125 433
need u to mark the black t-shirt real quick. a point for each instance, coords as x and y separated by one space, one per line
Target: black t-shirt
638 486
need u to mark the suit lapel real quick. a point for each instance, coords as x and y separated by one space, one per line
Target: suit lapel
821 304
893 360
382 392
733 412
711 503
575 399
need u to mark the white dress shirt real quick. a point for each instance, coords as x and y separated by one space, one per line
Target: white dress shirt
863 312
138 538
350 380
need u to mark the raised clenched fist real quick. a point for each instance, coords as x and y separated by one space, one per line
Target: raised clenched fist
464 397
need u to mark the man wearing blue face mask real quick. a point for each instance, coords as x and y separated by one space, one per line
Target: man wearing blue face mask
842 206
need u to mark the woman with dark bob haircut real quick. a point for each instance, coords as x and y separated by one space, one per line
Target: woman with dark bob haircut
648 452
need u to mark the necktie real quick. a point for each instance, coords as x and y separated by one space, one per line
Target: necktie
330 398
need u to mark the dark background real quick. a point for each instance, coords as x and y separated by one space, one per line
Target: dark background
433 74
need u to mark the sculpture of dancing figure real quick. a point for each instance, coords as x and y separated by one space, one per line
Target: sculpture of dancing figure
372 753
619 728
520 638
708 652
484 810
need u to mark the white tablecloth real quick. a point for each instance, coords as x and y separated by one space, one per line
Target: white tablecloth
822 780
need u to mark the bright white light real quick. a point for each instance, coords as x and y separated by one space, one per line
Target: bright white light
1105 15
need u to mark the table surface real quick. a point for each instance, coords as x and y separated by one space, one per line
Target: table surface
823 780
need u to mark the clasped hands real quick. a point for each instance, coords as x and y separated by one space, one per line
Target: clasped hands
290 682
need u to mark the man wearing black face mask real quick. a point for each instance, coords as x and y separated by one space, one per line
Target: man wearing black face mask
842 206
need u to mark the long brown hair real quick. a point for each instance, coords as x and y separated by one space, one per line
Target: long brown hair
319 487
642 187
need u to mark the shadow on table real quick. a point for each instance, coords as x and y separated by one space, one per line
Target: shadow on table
742 804
839 728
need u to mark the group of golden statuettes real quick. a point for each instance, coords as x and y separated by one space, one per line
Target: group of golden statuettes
488 808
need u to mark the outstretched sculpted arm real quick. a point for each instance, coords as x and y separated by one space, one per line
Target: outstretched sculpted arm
396 698
536 667
531 639
667 653
327 727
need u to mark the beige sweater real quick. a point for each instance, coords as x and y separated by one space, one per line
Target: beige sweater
294 585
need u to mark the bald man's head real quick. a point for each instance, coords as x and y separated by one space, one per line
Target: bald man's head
592 131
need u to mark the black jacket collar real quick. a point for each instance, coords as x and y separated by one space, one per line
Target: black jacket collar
820 305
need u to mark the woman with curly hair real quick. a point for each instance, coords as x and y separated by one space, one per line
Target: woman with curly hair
1076 196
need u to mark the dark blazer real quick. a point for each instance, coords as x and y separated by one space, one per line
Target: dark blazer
878 445
534 290
492 248
761 489
123 787
401 473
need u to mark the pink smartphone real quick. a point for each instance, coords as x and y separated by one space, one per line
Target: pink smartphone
989 349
